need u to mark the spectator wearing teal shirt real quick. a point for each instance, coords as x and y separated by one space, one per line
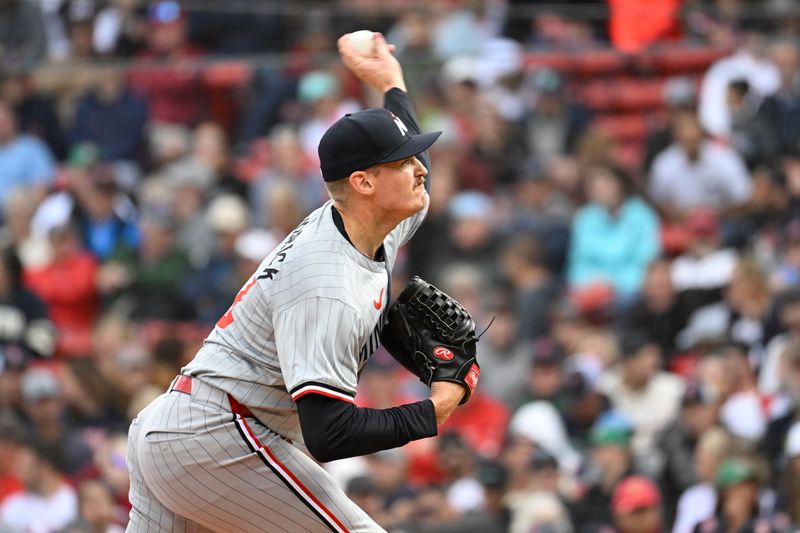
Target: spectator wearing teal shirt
25 161
614 237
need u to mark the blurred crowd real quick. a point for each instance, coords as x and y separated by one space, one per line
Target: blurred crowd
642 370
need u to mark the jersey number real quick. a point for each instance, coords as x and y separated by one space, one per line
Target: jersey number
227 318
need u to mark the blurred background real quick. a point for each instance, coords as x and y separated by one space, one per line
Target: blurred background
618 185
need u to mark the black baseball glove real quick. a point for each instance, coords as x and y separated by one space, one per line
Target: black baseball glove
433 336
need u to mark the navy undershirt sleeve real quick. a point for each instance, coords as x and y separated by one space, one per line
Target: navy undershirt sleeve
334 429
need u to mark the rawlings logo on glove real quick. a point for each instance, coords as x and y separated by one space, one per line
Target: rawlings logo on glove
433 336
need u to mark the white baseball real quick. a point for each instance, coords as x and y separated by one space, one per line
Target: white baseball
362 42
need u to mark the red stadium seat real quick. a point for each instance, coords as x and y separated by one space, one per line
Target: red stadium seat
679 60
597 95
228 74
560 61
621 94
628 126
641 94
600 62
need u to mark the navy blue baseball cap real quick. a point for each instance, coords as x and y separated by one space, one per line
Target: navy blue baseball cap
359 140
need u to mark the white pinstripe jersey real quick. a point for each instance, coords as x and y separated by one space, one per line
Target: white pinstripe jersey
306 321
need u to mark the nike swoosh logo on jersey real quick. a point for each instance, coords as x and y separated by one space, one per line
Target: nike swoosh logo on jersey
379 302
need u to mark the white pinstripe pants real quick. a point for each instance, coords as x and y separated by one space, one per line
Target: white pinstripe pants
195 466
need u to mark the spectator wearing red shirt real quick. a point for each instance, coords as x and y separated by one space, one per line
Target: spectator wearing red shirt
67 286
482 423
634 26
164 73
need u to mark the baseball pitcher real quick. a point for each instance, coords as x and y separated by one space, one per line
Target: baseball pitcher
234 444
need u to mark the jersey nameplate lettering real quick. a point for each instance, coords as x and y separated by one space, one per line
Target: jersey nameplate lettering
280 256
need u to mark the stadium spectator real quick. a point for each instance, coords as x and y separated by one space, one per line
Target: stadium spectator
614 237
48 502
389 471
502 62
67 286
211 288
678 441
460 466
743 316
696 172
25 329
79 16
778 428
633 29
106 217
22 33
727 374
541 209
495 153
210 148
33 106
771 380
540 424
146 282
738 508
119 30
545 376
287 161
789 482
782 109
111 467
554 124
322 95
69 71
187 187
174 96
506 357
636 505
282 207
471 234
460 29
251 248
95 509
648 397
611 461
534 291
26 161
539 511
751 135
679 96
699 501
705 264
48 422
750 62
660 311
110 116
786 273
362 490
31 248
483 425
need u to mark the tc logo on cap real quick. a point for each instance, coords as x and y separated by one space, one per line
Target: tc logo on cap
399 123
